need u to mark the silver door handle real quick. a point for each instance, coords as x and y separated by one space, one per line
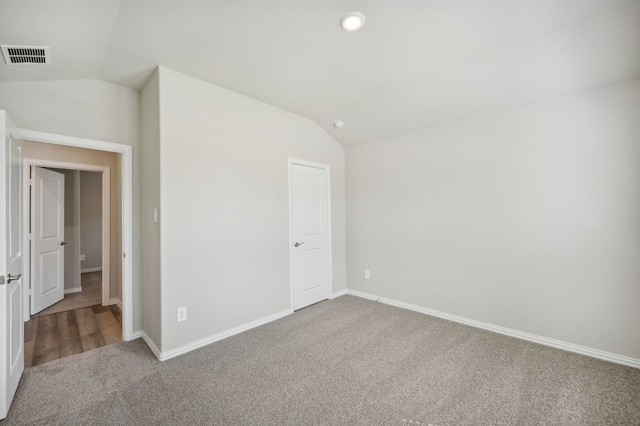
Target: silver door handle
13 277
298 244
63 243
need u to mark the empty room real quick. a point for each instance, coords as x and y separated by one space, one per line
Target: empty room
412 212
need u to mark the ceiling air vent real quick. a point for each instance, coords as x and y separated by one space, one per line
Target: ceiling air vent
26 55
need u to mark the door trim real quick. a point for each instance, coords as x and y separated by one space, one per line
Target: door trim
27 163
327 168
127 209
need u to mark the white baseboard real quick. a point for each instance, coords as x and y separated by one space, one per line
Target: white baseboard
99 268
115 301
72 290
338 294
583 350
163 356
148 341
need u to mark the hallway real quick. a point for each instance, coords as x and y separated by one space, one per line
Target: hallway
88 325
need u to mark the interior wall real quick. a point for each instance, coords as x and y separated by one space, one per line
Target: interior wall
90 109
72 282
151 279
51 152
91 220
225 207
527 219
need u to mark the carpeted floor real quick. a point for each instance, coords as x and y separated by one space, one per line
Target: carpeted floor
90 295
347 361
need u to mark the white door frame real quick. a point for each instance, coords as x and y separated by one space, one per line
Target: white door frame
27 209
127 209
327 168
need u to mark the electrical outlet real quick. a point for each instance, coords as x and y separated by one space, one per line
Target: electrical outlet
367 274
82 257
182 314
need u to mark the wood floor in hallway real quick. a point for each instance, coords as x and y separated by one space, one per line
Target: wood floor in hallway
54 336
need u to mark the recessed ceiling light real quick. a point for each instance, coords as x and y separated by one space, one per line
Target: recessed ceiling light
338 124
352 21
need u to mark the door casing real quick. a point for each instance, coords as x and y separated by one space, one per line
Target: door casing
126 152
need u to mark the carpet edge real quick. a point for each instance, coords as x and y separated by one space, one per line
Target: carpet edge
558 344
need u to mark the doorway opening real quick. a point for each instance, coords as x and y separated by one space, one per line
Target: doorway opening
70 281
68 309
116 265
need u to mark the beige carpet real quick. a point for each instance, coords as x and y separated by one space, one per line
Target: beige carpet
347 361
90 295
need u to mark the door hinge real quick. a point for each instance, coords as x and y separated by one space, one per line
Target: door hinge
30 237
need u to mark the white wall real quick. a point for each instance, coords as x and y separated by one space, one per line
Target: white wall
89 109
527 219
224 206
91 219
151 279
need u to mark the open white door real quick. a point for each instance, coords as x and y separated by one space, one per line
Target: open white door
11 325
47 238
310 228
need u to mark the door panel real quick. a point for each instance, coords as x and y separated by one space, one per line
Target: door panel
15 209
311 268
16 339
311 264
47 268
11 325
310 195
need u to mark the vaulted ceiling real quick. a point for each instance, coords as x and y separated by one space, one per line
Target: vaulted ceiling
415 64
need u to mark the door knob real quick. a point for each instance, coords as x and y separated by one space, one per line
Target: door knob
298 244
13 277
63 243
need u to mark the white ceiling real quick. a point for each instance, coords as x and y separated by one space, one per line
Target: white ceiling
415 64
